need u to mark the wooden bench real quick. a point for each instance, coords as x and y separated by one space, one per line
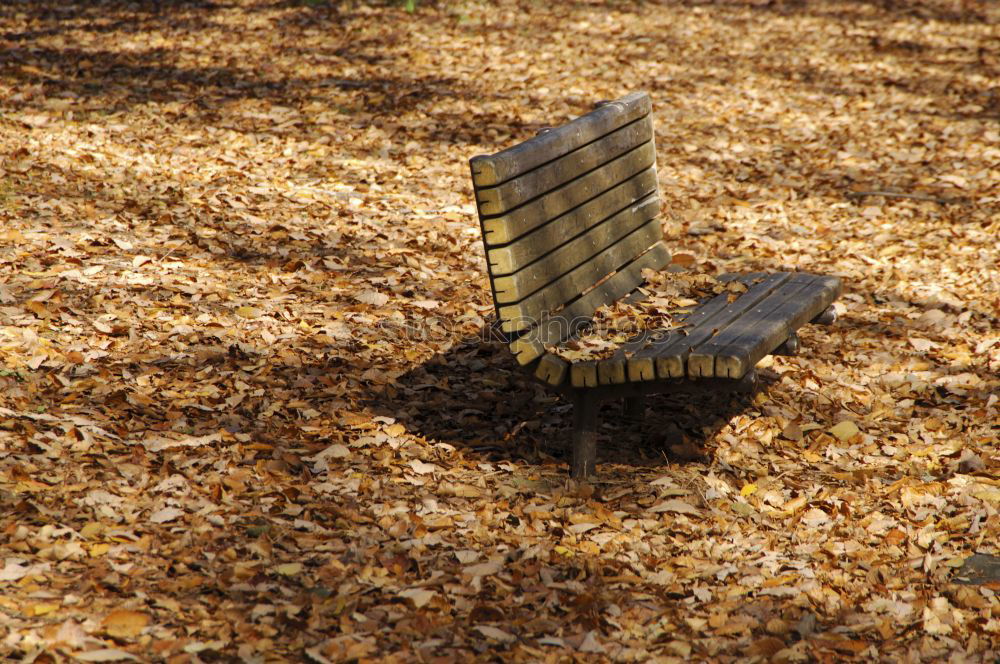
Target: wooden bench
569 222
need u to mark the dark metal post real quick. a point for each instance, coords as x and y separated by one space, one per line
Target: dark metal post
585 423
826 317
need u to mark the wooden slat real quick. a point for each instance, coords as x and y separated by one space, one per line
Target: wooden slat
490 170
558 327
524 282
610 372
613 370
740 346
517 222
614 367
583 374
517 254
552 369
520 190
671 351
528 312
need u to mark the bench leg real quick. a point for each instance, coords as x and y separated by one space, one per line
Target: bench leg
789 347
585 421
634 408
747 384
826 317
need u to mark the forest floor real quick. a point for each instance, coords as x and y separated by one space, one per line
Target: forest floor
249 408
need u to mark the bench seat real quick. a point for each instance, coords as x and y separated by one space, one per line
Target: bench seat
719 339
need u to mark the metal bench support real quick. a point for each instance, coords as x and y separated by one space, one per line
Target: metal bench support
585 425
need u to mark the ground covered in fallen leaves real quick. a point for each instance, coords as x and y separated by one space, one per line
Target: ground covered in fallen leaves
250 407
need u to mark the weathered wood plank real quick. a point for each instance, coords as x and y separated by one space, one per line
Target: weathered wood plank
634 371
529 311
621 353
665 356
615 369
738 348
583 374
610 372
528 248
520 190
671 351
552 369
512 225
524 282
558 327
701 357
490 170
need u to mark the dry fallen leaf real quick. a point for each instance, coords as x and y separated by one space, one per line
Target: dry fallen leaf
373 298
125 624
422 468
104 655
495 633
419 596
674 505
845 430
166 514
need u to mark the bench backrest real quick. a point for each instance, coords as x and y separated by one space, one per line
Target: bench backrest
569 221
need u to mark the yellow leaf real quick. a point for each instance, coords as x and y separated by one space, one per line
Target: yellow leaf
794 505
42 609
845 430
563 551
99 550
991 495
91 530
247 312
124 623
748 489
395 430
288 569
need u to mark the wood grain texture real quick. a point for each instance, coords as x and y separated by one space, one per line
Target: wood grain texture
530 278
558 327
670 351
583 374
509 195
529 311
491 170
512 225
701 359
610 372
552 369
543 240
615 368
762 329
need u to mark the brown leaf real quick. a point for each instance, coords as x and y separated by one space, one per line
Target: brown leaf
124 624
